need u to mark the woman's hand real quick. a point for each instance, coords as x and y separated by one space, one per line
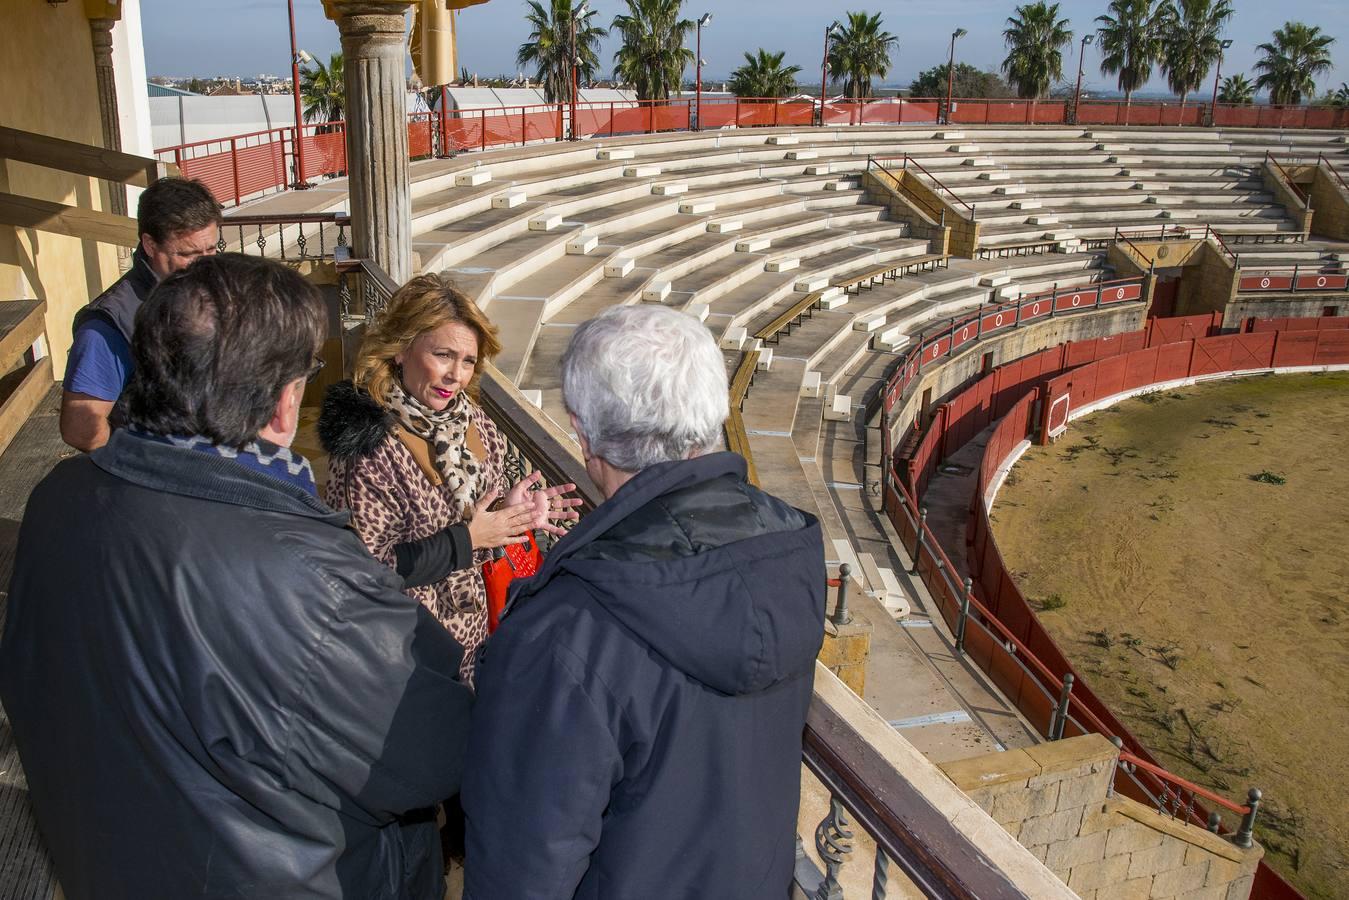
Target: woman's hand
548 504
495 528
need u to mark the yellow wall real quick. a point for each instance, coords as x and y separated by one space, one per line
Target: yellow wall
47 68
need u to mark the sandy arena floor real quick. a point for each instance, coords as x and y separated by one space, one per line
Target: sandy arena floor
1204 599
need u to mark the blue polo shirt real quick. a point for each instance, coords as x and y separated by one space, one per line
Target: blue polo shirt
100 361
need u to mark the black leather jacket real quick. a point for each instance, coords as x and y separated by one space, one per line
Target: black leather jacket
216 691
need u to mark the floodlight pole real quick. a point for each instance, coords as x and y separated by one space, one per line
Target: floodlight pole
704 19
824 70
951 72
1213 106
574 89
295 94
1081 58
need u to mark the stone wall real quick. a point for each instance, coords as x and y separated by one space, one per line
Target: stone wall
1054 799
1208 282
1289 305
1298 209
1330 205
955 374
883 188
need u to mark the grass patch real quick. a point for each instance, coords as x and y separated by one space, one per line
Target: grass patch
1267 477
1052 602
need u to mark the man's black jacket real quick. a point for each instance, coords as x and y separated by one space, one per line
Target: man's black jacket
638 726
216 691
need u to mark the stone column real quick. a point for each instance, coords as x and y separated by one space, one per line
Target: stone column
373 44
100 30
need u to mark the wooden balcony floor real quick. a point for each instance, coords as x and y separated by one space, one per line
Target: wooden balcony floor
25 869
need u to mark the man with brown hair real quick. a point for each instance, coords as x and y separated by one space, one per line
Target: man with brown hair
178 222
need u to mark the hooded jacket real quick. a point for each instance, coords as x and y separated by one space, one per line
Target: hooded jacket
637 732
217 693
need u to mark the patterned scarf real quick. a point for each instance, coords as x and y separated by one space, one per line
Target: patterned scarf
259 456
447 433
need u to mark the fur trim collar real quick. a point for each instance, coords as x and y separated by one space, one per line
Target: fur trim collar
351 424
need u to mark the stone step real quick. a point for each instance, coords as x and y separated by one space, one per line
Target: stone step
783 140
582 244
868 321
810 384
545 222
995 176
890 339
699 311
839 409
995 280
825 169
782 265
978 161
698 207
833 298
803 154
811 285
963 148
1008 190
473 179
765 362
669 190
620 267
656 292
644 171
1026 204
753 245
609 153
1042 220
733 338
509 200
726 227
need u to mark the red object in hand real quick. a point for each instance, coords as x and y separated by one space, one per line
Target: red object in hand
520 561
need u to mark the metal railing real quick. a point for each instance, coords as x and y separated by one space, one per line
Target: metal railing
907 161
1292 279
1321 160
239 167
290 238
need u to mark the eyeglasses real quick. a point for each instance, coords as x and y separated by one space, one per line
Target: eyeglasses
314 370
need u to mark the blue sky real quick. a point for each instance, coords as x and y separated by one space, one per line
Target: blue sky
244 37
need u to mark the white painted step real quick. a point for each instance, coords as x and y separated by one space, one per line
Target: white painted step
995 280
753 245
1008 190
782 265
645 171
733 338
656 292
726 227
803 154
546 222
533 395
615 153
509 200
473 179
582 244
699 311
824 169
868 321
1026 204
697 207
620 267
765 362
833 298
994 176
837 185
839 409
669 190
979 161
812 284
890 339
950 135
963 148
783 140
1042 220
810 384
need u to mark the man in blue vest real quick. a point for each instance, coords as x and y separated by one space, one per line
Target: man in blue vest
178 221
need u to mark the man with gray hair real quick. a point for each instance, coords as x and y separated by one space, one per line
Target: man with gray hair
637 731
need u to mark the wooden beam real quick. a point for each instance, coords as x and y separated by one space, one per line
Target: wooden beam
27 387
72 221
21 323
81 159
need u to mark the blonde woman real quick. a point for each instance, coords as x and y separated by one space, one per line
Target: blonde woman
420 465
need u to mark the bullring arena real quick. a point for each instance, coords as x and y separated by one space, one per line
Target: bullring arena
903 310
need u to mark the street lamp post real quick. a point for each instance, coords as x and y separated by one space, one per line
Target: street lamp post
824 69
295 93
579 13
1081 58
951 72
703 20
1213 106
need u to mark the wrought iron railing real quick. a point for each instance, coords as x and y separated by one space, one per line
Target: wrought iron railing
290 238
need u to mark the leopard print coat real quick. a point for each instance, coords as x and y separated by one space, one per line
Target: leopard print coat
372 474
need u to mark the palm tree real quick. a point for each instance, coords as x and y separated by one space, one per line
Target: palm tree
1131 42
1291 63
1341 97
1236 89
763 75
1035 40
323 91
1192 43
653 55
860 52
549 47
